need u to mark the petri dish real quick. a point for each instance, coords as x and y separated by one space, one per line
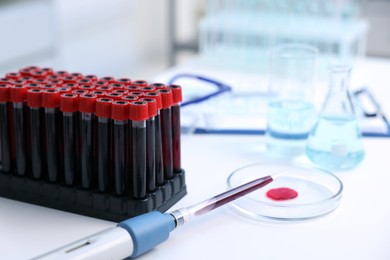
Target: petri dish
319 192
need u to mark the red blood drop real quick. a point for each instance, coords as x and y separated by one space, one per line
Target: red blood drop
282 194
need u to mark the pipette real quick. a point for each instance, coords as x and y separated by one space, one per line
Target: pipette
137 235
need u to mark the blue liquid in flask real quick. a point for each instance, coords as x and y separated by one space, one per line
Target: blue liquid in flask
335 143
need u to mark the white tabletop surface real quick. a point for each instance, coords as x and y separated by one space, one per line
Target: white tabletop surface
358 229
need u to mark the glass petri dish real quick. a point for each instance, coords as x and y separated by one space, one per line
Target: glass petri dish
319 192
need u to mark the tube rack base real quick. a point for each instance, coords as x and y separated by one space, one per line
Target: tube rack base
91 203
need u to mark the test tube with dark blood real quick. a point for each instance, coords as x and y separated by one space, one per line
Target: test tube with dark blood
103 114
69 108
120 115
158 141
87 103
53 129
5 138
129 139
18 95
138 114
151 145
175 110
166 132
37 126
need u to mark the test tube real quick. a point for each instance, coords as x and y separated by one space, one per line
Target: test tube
151 145
158 138
18 95
120 115
69 109
53 130
5 144
138 114
34 102
140 83
166 131
175 110
103 114
87 104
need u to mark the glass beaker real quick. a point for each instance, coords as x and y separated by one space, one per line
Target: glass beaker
291 112
336 142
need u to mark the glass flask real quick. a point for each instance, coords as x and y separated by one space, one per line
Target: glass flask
335 142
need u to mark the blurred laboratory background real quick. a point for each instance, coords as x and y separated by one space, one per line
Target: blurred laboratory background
140 39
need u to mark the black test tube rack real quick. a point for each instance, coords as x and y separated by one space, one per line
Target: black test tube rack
68 194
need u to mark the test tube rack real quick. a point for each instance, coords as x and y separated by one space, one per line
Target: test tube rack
100 147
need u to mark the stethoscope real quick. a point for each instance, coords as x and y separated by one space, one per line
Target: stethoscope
221 87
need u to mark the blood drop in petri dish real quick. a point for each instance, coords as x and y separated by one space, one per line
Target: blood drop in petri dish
282 193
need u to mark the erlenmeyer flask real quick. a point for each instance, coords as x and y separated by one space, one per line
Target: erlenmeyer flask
335 141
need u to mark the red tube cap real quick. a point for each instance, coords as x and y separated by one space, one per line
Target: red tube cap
69 102
103 107
76 75
152 106
62 73
80 91
156 96
51 98
140 83
13 75
158 85
148 89
166 98
132 87
177 93
18 93
125 81
48 71
101 83
117 85
138 111
87 103
107 79
5 92
130 98
114 96
38 74
84 81
92 78
70 79
8 81
99 93
120 110
34 97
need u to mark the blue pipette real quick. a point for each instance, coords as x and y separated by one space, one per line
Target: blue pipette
137 235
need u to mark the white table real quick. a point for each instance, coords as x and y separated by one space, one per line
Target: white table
358 229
